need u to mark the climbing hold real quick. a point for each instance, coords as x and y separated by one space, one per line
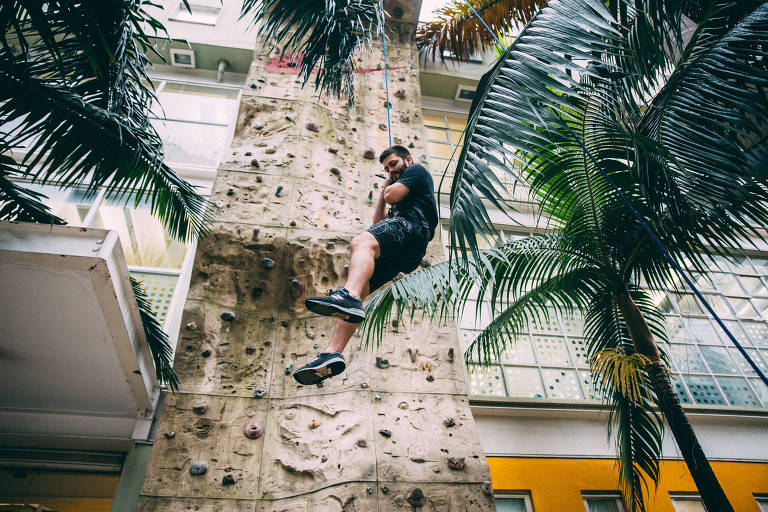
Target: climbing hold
247 153
430 378
191 326
456 463
416 498
228 316
200 409
323 458
381 362
362 443
385 432
403 405
402 79
256 293
255 235
255 163
206 353
314 424
364 385
258 126
450 355
253 86
426 366
202 427
288 117
270 150
312 126
398 141
449 422
261 79
315 345
198 468
231 192
370 490
335 171
398 12
487 488
425 262
400 94
377 397
369 154
259 393
384 489
297 288
268 263
404 118
253 431
394 323
170 435
330 245
288 368
333 151
411 145
279 191
382 127
259 179
419 456
250 349
293 223
228 480
413 352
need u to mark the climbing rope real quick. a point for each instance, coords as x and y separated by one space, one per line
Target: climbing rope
386 75
647 229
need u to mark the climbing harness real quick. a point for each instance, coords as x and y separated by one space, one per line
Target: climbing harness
386 77
647 229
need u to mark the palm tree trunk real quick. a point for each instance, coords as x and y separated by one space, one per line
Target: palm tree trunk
711 492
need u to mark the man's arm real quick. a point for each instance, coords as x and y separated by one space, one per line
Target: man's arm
380 212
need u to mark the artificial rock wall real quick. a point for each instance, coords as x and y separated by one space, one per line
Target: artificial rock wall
296 187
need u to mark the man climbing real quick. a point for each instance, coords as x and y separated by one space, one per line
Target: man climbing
396 242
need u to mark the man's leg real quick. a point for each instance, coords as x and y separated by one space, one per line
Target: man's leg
365 252
344 330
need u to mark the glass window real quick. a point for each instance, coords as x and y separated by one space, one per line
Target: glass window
523 382
485 380
604 504
72 205
738 392
191 143
688 505
205 14
561 383
513 503
144 240
704 390
763 504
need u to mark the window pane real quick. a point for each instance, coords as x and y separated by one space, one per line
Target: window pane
700 330
587 382
434 120
579 350
718 359
457 123
510 505
523 382
145 242
753 285
744 365
551 350
68 204
682 394
757 331
738 392
743 308
561 383
159 289
485 380
191 143
439 150
437 134
519 352
602 505
689 506
687 358
197 103
704 390
688 304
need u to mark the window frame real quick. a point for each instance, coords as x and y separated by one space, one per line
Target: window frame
524 495
615 496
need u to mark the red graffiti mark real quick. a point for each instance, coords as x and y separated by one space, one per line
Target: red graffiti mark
289 65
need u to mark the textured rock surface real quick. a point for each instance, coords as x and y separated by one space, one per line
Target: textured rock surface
321 448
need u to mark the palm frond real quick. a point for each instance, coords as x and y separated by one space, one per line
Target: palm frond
322 34
74 81
459 33
157 340
621 372
520 108
17 203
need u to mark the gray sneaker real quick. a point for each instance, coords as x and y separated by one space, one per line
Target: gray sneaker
338 303
324 366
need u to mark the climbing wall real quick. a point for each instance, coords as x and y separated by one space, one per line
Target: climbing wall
394 432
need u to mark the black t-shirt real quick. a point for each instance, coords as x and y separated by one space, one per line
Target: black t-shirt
419 205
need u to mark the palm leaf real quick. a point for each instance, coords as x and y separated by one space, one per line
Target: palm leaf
459 33
323 35
157 340
74 81
18 203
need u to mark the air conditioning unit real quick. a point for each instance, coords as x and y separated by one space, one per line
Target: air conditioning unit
182 58
464 93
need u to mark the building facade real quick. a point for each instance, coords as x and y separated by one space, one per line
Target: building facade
236 123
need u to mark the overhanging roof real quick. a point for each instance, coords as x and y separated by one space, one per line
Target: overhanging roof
74 362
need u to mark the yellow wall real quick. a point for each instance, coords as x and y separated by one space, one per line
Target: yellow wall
555 485
61 491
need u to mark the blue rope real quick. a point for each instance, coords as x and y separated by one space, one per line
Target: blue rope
386 75
653 237
483 22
